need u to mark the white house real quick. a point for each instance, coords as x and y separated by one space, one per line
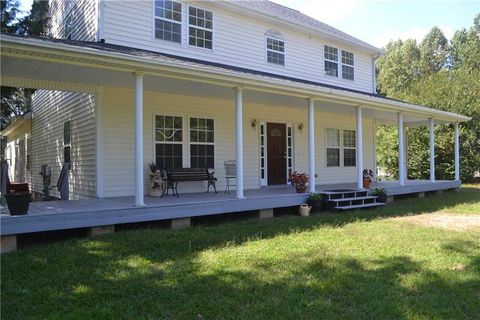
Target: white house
197 83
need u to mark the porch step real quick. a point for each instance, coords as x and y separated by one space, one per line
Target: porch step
359 206
343 194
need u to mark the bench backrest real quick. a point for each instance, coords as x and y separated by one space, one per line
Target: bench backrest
188 174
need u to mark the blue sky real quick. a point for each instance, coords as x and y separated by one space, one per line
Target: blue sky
378 21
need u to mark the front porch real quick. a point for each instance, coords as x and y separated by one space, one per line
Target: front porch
59 215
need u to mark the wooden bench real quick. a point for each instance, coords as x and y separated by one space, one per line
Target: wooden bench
189 174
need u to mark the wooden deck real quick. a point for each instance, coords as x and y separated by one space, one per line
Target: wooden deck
59 215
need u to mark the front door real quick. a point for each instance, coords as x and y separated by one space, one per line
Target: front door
277 153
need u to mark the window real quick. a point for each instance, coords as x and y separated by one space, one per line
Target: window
331 61
275 51
67 137
202 138
341 144
168 20
333 147
168 141
68 27
200 31
347 65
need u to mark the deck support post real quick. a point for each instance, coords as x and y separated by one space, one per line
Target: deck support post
401 150
311 143
101 230
457 152
239 140
8 244
421 195
139 140
265 214
390 199
431 124
181 223
359 148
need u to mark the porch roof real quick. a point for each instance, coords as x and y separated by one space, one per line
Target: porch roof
46 63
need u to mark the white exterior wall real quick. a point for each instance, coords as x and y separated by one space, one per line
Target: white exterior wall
238 40
51 109
17 158
84 18
118 134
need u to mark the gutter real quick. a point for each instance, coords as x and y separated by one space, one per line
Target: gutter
224 77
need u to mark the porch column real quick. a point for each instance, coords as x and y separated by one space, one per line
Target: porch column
431 124
457 153
359 148
311 143
139 140
239 139
401 151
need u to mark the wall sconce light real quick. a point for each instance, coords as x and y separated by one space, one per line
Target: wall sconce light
254 123
300 126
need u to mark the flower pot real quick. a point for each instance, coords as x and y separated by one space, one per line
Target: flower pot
304 210
317 205
18 203
301 188
382 198
366 183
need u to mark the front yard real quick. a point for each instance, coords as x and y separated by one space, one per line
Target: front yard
381 264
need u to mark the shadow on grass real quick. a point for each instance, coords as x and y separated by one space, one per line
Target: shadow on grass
159 274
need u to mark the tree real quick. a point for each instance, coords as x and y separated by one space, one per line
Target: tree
433 52
8 14
37 22
446 77
398 67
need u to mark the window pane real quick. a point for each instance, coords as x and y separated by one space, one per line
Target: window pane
169 155
347 57
333 137
333 157
331 69
331 53
349 138
349 157
169 31
66 133
347 72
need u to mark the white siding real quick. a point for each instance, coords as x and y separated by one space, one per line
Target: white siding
51 109
238 41
118 126
84 18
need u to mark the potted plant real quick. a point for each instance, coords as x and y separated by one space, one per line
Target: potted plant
18 203
156 181
315 201
381 194
299 181
367 178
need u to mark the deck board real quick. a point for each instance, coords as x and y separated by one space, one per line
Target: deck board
59 215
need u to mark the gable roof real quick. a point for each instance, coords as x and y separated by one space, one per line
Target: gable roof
294 16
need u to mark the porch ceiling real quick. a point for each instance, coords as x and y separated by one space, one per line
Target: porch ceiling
49 64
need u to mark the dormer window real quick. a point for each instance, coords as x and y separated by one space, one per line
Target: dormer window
275 47
347 65
168 20
331 61
200 29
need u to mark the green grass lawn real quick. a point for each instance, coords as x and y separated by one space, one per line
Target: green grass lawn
359 265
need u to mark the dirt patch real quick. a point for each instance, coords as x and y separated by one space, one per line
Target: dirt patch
446 221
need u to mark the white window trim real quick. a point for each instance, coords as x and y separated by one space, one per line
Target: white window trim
332 61
214 143
341 147
188 25
348 65
284 51
182 25
340 64
154 136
